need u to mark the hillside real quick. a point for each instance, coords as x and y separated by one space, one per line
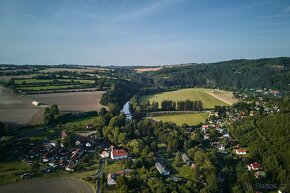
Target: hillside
258 73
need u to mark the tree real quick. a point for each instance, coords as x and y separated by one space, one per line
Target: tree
35 167
178 159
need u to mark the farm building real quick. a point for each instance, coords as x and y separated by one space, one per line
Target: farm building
162 170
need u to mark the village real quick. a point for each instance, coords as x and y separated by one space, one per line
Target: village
57 154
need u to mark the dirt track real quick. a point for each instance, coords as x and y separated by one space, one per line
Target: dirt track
51 185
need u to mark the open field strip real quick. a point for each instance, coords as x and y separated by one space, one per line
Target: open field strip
181 118
201 94
33 80
73 101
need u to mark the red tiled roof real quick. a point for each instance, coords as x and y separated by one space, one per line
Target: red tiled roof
256 165
241 150
119 152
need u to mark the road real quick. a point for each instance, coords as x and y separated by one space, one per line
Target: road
99 175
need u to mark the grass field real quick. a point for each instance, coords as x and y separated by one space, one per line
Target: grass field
33 80
181 118
37 88
11 171
114 167
208 100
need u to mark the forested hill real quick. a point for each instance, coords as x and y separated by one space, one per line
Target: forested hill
258 73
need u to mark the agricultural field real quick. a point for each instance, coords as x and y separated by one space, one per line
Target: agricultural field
33 80
73 101
18 110
47 185
181 118
79 70
147 69
209 97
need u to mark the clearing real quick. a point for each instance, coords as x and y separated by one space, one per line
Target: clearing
181 118
73 101
47 185
209 97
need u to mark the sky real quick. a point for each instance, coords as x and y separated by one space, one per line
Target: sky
142 32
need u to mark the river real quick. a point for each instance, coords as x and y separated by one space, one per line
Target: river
126 110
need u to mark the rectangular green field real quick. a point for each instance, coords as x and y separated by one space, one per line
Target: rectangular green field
181 118
33 80
201 94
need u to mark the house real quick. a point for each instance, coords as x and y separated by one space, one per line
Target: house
69 168
48 156
36 151
118 154
64 134
205 137
105 154
193 166
260 174
221 147
254 166
162 170
110 179
52 163
204 128
186 159
241 151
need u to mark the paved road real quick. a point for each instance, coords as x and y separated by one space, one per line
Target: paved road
99 176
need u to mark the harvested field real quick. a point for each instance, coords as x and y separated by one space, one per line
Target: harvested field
8 77
15 109
147 69
72 102
56 185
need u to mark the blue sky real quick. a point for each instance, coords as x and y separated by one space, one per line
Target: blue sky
142 32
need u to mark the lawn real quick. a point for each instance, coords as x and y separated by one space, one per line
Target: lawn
81 122
112 167
181 118
201 94
11 171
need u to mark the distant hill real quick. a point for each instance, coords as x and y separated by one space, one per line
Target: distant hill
256 73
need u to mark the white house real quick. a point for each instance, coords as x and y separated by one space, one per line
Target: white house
105 154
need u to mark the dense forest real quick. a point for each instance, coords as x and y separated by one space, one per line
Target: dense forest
234 74
267 138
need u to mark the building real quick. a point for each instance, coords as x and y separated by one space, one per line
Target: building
254 166
64 134
260 174
241 151
186 159
162 170
105 154
35 103
118 154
